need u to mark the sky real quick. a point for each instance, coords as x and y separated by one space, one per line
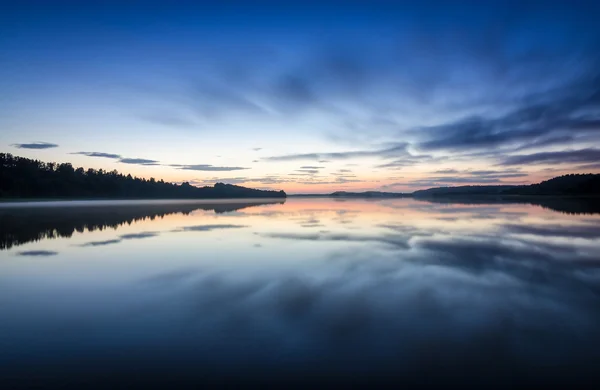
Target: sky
308 97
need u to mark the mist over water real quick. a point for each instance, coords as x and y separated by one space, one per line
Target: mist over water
303 290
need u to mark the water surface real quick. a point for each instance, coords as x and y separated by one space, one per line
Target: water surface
306 289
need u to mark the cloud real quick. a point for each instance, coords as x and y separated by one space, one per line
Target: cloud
272 179
455 89
554 230
135 236
99 154
398 241
36 145
446 171
539 120
37 253
138 161
339 180
206 167
562 157
311 167
488 173
295 90
212 98
169 119
483 176
207 228
148 162
309 171
389 152
549 141
121 159
593 166
101 243
408 160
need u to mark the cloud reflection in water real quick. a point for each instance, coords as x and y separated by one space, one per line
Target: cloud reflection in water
397 295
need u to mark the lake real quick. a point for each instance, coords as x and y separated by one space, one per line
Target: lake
303 290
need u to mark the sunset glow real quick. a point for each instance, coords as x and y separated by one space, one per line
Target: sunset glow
308 97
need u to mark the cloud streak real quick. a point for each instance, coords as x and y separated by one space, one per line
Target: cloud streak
389 152
138 161
37 253
36 145
99 154
121 159
208 228
206 167
589 155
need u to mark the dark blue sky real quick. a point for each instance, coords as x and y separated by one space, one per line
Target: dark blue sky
305 96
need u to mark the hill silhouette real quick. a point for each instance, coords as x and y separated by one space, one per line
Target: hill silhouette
26 178
573 184
566 185
573 194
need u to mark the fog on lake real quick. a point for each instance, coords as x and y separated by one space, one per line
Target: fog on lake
303 289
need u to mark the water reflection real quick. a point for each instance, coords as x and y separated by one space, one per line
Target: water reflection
22 222
568 205
37 253
422 293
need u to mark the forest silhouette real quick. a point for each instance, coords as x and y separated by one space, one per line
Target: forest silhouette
26 178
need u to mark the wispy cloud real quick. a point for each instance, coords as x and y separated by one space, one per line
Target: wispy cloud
389 152
479 174
135 236
569 156
169 119
540 120
36 145
446 171
121 159
101 243
139 161
207 228
99 154
206 167
37 253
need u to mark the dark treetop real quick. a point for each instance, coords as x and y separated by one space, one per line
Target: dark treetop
26 178
567 185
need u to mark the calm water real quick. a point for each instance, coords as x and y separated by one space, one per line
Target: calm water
310 289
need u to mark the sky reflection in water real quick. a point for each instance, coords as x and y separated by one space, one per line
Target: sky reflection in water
310 288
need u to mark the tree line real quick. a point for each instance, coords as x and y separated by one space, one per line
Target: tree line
27 178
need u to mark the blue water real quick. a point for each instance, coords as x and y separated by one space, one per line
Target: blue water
315 290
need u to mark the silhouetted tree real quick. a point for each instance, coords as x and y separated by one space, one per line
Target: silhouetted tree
26 178
572 184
